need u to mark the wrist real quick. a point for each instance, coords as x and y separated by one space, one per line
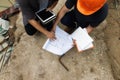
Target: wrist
46 33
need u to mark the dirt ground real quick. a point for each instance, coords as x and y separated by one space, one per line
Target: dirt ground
112 38
30 62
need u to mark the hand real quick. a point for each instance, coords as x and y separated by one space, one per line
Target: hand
74 42
51 35
53 29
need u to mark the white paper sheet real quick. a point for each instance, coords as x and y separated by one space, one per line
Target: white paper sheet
61 45
64 41
82 39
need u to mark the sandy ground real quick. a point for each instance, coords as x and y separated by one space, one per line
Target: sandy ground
30 62
4 4
112 39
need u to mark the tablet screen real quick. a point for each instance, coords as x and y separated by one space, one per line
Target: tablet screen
44 14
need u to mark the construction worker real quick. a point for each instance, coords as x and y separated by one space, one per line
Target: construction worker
84 13
28 8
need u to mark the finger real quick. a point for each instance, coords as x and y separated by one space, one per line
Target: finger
74 42
54 37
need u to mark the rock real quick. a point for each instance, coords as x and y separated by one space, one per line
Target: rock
1 39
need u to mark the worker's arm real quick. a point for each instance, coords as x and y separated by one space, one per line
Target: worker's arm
89 29
39 27
52 6
60 14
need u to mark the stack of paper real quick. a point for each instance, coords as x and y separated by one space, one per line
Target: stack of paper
82 39
64 41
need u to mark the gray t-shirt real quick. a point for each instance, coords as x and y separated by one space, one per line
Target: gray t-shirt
43 4
29 7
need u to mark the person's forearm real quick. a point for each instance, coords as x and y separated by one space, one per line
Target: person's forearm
49 34
52 6
38 26
61 13
89 29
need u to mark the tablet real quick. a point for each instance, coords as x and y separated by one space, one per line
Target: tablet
45 16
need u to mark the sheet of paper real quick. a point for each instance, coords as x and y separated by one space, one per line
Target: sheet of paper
83 40
61 45
90 45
